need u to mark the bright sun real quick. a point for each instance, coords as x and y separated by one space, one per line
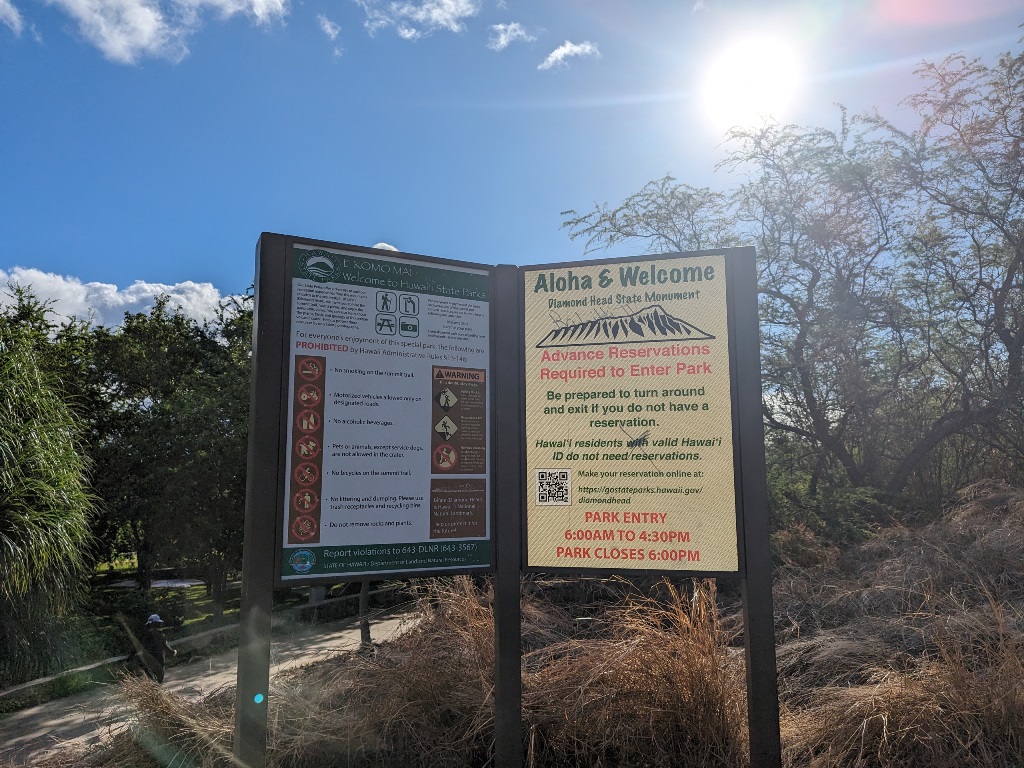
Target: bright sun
753 78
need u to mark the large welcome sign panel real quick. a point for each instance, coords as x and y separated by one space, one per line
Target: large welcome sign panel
630 416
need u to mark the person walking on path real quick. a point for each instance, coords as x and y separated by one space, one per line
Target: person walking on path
154 648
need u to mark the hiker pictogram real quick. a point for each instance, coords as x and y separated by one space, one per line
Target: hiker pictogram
305 500
310 395
305 527
311 369
308 421
306 473
446 428
386 301
446 399
445 457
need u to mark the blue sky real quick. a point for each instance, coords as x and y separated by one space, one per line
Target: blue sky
145 144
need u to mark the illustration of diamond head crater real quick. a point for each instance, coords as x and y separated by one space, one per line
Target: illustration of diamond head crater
650 324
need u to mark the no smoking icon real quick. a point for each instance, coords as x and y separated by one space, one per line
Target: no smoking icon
311 369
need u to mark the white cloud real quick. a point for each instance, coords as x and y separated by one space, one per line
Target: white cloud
412 20
385 247
105 304
10 16
126 31
567 50
260 11
328 27
504 34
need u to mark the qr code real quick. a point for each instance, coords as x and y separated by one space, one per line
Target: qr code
553 486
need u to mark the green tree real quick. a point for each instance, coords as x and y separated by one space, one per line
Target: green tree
210 416
45 505
140 367
172 440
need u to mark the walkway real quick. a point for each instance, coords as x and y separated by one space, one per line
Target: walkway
86 717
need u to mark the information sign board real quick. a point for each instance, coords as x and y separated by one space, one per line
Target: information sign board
387 458
630 416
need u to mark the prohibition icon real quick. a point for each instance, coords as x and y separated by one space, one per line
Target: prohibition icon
305 527
445 457
308 421
310 395
306 473
308 447
310 368
305 500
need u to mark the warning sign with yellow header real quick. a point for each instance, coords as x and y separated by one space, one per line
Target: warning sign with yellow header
629 423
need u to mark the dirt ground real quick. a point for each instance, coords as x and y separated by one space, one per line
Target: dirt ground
86 717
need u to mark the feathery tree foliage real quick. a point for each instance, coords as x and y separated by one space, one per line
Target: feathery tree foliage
891 279
45 505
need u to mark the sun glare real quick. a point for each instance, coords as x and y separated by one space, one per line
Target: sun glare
752 79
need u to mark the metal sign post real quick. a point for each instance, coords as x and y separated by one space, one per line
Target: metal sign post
758 614
508 717
264 481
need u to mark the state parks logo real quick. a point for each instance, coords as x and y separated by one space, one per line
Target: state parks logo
302 561
318 265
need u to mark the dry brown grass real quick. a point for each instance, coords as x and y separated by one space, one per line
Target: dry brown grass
165 731
655 685
663 689
907 651
660 689
945 713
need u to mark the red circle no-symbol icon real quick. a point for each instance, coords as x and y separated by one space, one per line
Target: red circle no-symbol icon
306 473
310 395
308 421
445 457
304 527
305 500
308 447
311 369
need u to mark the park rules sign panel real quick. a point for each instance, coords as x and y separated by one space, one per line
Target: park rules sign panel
629 416
387 444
